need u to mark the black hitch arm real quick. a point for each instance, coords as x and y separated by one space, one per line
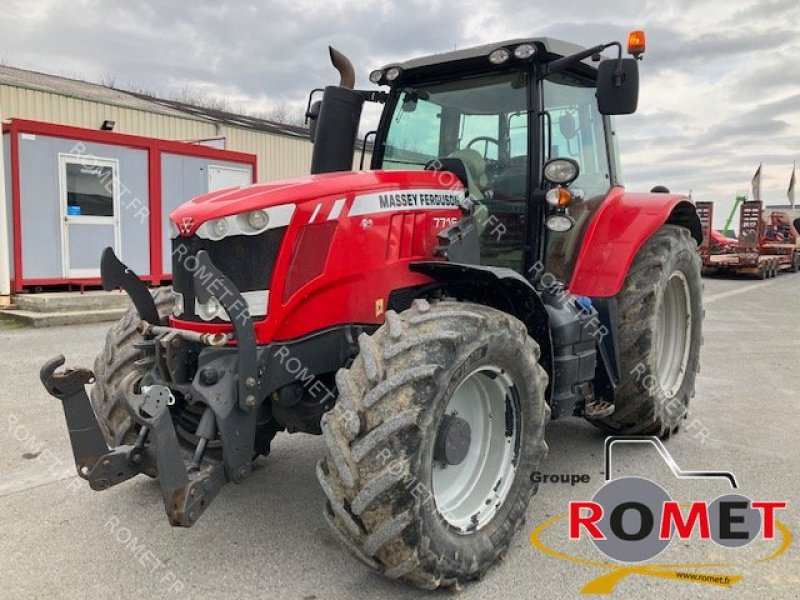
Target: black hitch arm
236 422
85 435
188 483
156 452
116 275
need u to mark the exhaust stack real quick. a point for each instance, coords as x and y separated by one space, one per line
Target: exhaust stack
337 120
347 74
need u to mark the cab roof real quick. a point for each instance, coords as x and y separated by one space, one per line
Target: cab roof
551 48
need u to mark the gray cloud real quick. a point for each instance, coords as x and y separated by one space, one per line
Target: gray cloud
718 88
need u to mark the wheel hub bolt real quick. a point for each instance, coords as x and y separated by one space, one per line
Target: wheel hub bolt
452 441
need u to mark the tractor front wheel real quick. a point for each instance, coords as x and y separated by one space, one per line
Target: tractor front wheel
431 445
660 333
114 363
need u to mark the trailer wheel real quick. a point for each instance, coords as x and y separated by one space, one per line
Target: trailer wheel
660 322
431 445
795 265
763 271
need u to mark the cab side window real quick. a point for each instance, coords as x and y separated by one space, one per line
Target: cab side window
576 131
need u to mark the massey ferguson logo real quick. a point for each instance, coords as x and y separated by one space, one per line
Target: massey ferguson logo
187 223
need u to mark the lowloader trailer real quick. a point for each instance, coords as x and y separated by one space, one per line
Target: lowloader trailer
763 248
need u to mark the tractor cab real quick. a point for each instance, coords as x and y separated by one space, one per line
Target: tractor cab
496 115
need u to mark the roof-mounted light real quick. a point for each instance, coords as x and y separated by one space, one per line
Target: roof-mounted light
393 73
524 51
376 76
499 56
636 43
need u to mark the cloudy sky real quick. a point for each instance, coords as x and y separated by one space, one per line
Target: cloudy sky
720 79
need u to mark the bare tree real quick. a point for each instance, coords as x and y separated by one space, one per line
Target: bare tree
284 113
190 95
109 80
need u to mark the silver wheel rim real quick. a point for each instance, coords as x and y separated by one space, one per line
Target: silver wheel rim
470 494
673 334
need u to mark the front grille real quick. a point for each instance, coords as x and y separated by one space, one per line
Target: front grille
247 260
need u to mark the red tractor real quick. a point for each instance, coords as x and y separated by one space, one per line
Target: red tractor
427 317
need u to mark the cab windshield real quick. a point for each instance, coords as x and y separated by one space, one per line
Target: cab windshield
484 122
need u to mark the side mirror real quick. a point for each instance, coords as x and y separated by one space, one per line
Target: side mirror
311 119
618 86
566 125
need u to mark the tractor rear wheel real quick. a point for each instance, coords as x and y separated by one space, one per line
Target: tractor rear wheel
431 445
660 327
114 363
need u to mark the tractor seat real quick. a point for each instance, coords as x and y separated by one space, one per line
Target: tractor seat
477 181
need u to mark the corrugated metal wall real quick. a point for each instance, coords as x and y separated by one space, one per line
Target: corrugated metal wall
38 105
278 156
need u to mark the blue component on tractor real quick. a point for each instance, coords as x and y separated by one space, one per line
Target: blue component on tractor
584 303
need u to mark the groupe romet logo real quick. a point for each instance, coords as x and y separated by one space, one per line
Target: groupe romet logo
632 520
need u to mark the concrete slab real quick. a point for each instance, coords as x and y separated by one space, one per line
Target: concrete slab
72 301
267 538
35 318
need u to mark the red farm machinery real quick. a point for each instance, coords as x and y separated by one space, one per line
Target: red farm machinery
428 317
765 246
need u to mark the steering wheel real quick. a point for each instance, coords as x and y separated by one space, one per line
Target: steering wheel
486 140
493 167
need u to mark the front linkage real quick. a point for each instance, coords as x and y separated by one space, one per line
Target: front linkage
188 484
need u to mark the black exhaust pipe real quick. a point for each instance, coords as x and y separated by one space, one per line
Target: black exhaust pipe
337 120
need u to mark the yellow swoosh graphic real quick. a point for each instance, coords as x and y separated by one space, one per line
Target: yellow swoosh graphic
605 584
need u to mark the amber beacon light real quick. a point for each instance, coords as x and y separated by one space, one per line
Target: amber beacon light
636 43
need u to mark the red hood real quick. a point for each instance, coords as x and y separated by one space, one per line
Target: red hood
232 201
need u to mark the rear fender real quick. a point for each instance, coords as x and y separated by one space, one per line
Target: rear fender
623 223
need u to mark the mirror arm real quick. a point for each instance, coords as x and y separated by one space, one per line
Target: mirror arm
373 133
560 64
308 114
618 72
374 96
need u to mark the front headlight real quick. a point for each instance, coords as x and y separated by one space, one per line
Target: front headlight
258 220
218 228
252 222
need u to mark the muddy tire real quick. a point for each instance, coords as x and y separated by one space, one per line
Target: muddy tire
114 363
407 495
660 334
